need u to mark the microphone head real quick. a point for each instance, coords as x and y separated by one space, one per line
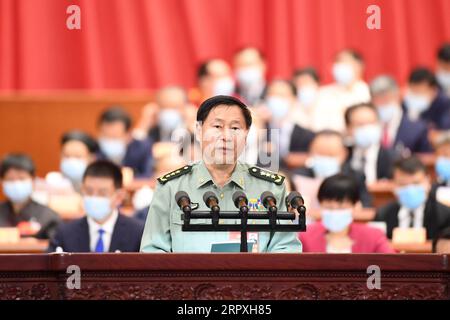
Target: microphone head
237 196
291 197
265 196
207 196
180 195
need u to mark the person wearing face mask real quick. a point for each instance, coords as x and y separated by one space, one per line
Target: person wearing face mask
306 81
442 164
416 206
425 100
338 196
367 154
78 149
281 103
104 228
443 68
17 172
327 156
214 77
348 89
117 144
250 73
398 131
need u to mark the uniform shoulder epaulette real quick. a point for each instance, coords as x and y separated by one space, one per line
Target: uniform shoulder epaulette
266 175
175 174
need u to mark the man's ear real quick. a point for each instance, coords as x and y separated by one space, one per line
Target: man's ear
198 132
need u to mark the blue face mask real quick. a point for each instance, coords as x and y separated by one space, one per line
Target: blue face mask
343 73
442 167
247 77
114 149
98 208
170 119
416 104
278 106
18 191
336 220
387 112
411 196
73 168
307 95
366 136
325 167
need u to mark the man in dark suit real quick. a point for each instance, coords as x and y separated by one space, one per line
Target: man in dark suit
104 229
117 144
416 205
327 155
20 210
398 131
367 153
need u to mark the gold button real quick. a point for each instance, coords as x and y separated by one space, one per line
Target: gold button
221 195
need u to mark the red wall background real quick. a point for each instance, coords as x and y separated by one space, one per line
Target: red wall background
137 44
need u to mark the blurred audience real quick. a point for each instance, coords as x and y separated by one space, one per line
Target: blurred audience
336 232
443 68
17 172
104 229
441 244
442 164
306 82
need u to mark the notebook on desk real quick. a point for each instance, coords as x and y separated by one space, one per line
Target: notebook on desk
230 246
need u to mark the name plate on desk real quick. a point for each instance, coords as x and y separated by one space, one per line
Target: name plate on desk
9 235
409 235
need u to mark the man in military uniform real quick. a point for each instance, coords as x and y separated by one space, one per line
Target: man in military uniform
223 124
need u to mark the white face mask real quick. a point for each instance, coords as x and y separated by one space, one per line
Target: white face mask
416 104
170 119
388 111
114 149
18 191
250 76
73 168
278 106
368 135
224 86
443 78
307 95
343 73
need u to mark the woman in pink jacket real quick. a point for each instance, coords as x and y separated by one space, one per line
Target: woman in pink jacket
336 232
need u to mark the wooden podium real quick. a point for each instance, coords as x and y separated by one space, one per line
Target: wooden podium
224 276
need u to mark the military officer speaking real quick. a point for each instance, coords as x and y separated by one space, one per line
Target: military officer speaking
223 123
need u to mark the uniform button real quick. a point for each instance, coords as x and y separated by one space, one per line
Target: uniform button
221 195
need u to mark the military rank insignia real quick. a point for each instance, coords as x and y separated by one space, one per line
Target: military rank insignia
254 204
266 175
174 174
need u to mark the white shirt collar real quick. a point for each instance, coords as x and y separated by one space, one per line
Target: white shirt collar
108 226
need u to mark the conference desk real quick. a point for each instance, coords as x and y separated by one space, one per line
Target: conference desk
224 276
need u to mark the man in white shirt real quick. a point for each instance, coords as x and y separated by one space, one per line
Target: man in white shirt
103 229
349 88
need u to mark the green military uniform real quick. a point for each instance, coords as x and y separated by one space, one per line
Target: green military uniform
163 232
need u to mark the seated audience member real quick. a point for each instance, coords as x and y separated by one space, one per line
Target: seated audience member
367 154
17 172
443 68
416 205
117 145
214 77
348 89
306 82
398 131
336 232
441 244
104 229
425 100
250 72
78 150
327 156
442 164
281 103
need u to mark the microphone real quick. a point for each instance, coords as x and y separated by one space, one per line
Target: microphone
212 202
240 201
183 201
268 200
294 200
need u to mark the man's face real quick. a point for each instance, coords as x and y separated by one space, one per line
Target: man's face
219 79
422 89
387 98
362 117
14 174
305 81
76 149
402 179
345 58
102 187
113 130
328 146
249 58
223 135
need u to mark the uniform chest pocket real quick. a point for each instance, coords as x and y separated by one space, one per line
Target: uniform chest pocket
176 218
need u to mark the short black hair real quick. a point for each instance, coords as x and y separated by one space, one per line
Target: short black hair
105 169
443 234
354 53
209 104
116 113
443 53
422 74
202 70
351 109
410 165
310 71
17 161
82 137
339 187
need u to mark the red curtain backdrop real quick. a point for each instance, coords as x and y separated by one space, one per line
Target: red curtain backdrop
138 44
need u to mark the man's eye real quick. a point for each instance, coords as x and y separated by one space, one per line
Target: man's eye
235 128
217 126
